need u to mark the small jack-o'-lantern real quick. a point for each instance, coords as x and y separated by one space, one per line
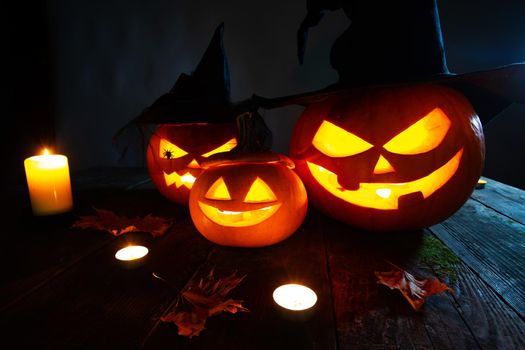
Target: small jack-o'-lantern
390 159
253 200
175 152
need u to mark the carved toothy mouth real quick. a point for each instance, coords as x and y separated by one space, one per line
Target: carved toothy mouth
179 180
238 218
385 196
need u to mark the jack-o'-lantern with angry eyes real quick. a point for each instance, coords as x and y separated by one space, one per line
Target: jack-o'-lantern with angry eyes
390 159
176 151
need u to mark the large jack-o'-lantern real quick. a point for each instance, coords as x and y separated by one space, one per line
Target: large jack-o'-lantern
251 200
175 153
390 159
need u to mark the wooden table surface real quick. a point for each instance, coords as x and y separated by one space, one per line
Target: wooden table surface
61 287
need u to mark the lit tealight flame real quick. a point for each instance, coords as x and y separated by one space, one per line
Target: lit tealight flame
383 192
46 152
481 183
130 253
294 297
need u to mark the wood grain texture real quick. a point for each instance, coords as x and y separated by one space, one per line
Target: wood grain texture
299 259
492 245
370 315
62 287
493 323
41 248
98 303
505 199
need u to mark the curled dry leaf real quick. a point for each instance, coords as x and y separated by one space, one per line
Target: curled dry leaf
106 220
414 290
202 299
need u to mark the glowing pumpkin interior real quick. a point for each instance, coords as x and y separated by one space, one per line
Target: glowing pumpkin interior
423 136
258 193
170 151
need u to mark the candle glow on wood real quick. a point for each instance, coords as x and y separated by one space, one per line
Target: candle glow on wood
130 253
294 297
49 183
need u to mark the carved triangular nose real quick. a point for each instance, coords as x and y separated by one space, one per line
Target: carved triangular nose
194 164
383 166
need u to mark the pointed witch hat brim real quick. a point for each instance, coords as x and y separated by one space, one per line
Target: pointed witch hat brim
204 95
489 91
400 43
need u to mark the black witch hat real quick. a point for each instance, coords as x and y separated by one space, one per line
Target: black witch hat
399 42
200 97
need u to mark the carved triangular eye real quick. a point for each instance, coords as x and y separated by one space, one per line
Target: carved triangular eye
422 136
334 141
169 151
228 146
259 192
218 191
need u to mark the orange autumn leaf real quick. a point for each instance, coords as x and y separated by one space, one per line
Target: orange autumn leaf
202 300
414 290
106 220
189 323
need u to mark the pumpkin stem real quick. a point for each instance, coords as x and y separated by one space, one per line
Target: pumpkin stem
254 135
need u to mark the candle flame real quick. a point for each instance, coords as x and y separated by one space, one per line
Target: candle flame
481 184
132 252
46 151
294 297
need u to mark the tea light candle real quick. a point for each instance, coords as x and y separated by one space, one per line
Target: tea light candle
481 184
294 297
49 184
131 253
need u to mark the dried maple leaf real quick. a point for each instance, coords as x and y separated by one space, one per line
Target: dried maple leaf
202 300
189 323
414 290
106 220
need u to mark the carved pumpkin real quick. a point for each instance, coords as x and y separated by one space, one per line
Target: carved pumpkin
390 159
251 201
175 152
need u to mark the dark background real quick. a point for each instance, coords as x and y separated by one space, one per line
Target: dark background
78 70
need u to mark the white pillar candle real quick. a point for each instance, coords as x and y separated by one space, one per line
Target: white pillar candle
49 184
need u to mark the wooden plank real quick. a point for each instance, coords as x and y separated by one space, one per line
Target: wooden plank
70 293
27 267
505 199
41 248
369 315
300 259
492 245
99 304
493 323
